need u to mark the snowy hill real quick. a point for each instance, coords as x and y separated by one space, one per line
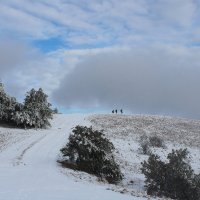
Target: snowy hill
29 171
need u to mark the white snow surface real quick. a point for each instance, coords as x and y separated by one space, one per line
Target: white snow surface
28 167
29 171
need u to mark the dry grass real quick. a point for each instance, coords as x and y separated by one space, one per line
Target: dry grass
179 130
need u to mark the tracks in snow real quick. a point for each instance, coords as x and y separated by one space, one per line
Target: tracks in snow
19 159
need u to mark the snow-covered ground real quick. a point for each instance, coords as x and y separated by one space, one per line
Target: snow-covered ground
29 171
125 132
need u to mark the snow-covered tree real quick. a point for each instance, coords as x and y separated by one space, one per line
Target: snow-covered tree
20 116
3 102
37 111
7 105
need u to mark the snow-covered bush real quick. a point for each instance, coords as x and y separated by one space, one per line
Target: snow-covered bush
145 148
144 145
88 150
147 142
37 111
156 141
174 179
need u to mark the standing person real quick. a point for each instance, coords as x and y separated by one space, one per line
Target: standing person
121 111
113 111
116 111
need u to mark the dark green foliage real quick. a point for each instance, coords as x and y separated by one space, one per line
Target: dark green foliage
35 112
7 106
92 153
174 179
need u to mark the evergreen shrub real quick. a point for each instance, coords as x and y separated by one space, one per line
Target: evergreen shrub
174 179
90 151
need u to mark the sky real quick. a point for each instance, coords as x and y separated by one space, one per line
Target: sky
93 56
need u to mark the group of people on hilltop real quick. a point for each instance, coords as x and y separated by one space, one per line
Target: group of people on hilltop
115 111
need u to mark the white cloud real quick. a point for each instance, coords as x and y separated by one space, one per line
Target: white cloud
23 67
177 12
14 21
77 22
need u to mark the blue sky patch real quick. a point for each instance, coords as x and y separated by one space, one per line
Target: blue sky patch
49 45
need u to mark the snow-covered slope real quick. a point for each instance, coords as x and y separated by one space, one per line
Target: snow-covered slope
125 132
28 168
29 171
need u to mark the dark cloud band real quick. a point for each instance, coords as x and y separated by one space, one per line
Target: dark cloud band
155 81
